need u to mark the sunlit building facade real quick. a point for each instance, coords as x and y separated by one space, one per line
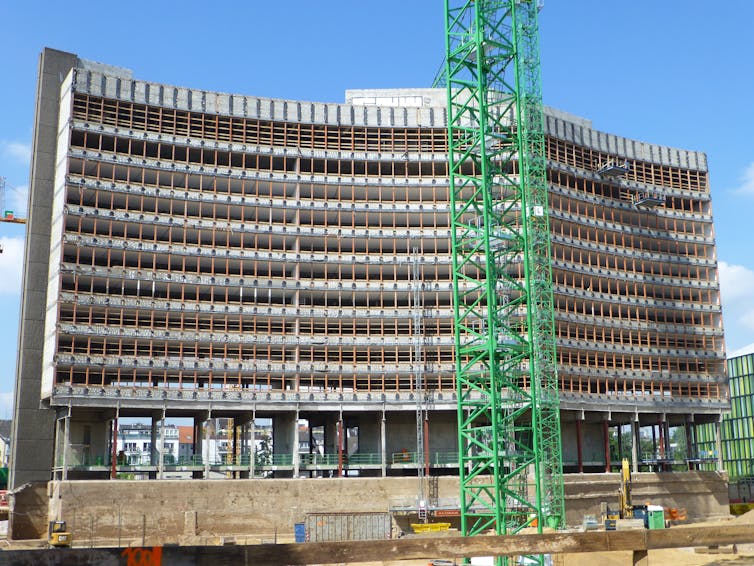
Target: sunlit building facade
202 255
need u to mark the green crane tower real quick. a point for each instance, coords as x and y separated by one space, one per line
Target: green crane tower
508 408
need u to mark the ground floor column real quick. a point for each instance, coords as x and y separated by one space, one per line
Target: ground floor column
425 424
284 442
296 458
66 443
340 446
620 442
579 448
233 444
114 446
62 442
692 451
242 453
606 440
383 445
161 454
654 448
197 456
206 444
152 443
331 439
253 447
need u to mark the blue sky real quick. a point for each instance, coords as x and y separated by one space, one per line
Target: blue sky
676 72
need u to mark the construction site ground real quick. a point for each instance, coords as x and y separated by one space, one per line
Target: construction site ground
728 556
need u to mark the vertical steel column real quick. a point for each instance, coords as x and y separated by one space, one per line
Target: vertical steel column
426 445
198 444
295 457
579 448
205 444
661 440
66 442
253 448
508 408
606 440
340 446
538 261
114 446
59 455
692 449
152 441
654 443
383 445
418 370
635 433
161 454
620 442
234 446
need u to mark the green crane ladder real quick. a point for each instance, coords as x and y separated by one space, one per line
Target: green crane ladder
508 405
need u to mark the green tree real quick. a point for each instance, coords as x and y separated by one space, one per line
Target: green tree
678 442
263 452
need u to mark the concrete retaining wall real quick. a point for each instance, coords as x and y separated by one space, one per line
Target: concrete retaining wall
704 495
28 511
159 512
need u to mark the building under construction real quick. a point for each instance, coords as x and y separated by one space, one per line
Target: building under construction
194 254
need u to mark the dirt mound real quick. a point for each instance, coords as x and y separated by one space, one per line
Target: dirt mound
747 518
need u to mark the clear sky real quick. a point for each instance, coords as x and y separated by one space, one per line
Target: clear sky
672 72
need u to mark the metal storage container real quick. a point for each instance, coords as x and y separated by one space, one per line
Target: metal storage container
327 527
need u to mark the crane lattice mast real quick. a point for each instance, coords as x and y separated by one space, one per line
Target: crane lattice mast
508 410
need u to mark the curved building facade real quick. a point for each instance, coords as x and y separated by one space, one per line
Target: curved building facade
207 255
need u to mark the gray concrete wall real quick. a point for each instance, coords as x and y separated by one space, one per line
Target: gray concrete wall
401 432
443 431
284 431
704 495
32 434
593 444
188 511
369 432
568 446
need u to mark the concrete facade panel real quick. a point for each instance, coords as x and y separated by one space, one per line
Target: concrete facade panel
32 427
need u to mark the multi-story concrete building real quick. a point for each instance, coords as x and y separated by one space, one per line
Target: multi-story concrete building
198 254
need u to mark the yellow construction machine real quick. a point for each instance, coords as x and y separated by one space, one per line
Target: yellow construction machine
58 535
635 516
625 508
624 492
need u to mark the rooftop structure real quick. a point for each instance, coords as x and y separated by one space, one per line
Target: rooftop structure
198 254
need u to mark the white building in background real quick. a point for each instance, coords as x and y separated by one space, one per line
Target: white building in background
134 445
5 434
